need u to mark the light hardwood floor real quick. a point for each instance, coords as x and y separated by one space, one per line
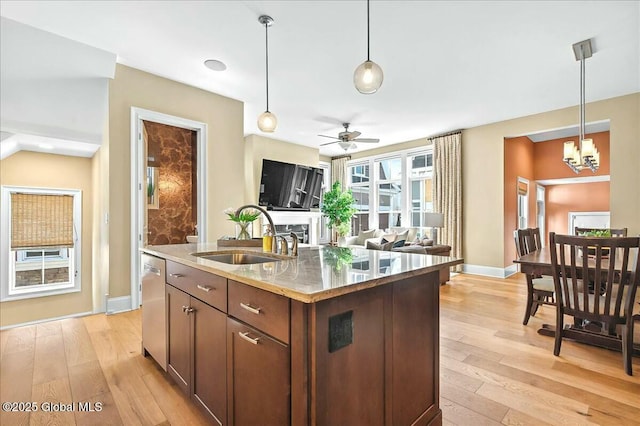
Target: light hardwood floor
493 370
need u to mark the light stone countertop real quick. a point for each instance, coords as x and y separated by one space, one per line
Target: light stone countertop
318 273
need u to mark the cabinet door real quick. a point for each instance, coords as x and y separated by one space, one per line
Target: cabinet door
258 377
179 338
210 360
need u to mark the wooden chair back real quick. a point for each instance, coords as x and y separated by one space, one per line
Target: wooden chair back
615 232
597 287
527 240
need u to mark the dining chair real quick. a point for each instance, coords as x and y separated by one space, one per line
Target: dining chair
539 288
615 232
612 267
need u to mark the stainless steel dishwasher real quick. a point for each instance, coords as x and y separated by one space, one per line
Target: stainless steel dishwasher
154 316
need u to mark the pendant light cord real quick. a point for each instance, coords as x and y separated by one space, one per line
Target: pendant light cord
368 30
266 38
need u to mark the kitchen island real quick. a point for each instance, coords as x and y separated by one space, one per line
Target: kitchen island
334 336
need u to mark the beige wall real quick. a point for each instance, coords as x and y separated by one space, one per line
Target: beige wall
224 162
259 147
483 171
34 169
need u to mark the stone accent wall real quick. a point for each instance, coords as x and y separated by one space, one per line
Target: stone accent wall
174 151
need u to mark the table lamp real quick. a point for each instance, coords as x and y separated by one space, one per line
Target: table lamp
434 221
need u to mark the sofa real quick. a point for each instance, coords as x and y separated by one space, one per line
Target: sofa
401 240
398 235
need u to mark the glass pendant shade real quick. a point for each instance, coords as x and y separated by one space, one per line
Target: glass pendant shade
368 77
267 122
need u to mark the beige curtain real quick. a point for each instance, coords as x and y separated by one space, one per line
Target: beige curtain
339 170
41 220
447 189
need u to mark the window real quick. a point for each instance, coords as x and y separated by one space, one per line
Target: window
389 207
421 187
382 199
359 184
40 243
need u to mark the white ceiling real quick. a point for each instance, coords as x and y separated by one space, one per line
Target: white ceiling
448 64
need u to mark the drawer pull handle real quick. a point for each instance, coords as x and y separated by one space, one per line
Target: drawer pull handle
250 308
246 337
176 275
205 288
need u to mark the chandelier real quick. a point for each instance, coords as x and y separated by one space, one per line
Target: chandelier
585 155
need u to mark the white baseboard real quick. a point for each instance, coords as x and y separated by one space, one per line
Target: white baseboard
489 271
116 305
80 314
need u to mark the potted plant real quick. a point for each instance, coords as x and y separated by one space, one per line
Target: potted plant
337 205
243 220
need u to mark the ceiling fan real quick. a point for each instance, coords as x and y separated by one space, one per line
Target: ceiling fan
347 139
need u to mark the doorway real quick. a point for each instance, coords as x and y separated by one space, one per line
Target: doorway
147 184
540 212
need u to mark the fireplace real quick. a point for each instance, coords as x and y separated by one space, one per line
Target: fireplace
301 230
306 225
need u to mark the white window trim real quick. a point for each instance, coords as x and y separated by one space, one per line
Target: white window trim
404 155
6 294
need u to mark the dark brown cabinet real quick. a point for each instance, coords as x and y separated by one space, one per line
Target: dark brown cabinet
258 377
179 338
197 352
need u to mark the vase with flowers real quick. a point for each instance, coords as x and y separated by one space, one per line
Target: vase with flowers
243 221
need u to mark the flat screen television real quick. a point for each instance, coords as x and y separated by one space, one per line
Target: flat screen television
285 186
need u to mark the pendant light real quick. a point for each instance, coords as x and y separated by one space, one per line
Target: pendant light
585 155
267 121
368 76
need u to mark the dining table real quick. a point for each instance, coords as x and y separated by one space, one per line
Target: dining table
537 263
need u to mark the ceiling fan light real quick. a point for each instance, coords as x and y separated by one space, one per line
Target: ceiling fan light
368 77
267 122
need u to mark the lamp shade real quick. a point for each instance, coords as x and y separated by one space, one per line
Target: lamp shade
368 77
267 122
434 220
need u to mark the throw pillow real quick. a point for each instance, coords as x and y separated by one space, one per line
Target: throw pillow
398 243
402 235
388 237
427 242
382 246
364 235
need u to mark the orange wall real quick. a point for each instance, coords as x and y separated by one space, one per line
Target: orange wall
579 197
543 160
548 158
518 162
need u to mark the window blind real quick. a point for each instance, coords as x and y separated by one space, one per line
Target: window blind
39 220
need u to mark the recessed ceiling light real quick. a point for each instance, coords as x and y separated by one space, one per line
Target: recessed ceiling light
215 65
45 146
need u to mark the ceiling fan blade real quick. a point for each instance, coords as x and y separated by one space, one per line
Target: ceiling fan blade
330 137
366 140
329 143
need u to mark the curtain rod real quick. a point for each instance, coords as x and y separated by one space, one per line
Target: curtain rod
342 156
454 132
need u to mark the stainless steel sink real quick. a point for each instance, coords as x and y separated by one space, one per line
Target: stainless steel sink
240 257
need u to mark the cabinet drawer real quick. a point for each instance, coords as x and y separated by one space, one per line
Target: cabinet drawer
265 311
202 285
